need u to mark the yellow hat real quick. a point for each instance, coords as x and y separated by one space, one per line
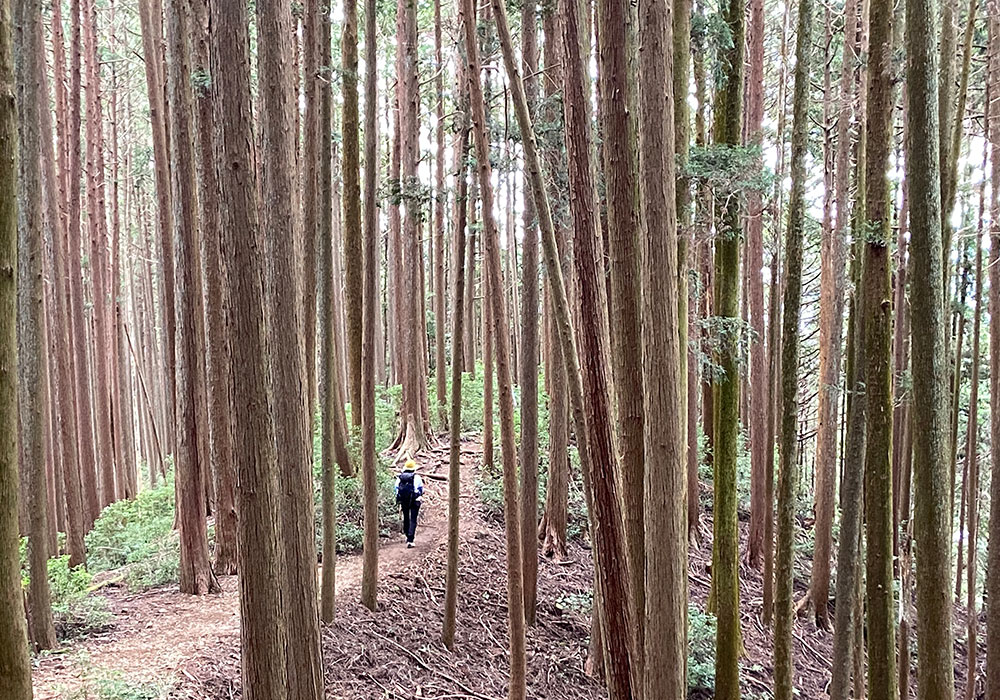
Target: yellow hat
409 466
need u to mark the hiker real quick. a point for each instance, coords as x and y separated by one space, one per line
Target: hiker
409 495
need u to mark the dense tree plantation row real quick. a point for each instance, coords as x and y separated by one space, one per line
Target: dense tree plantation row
690 304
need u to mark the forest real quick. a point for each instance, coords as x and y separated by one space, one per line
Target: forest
515 349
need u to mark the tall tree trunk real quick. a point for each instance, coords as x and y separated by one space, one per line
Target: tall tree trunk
455 426
992 593
65 358
370 316
553 529
440 205
725 575
930 404
409 289
263 635
196 575
15 666
98 263
334 432
875 295
529 338
788 478
661 565
85 414
831 328
760 394
491 245
277 105
616 81
972 454
217 347
30 317
352 235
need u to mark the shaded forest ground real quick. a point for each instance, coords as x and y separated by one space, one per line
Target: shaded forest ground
162 644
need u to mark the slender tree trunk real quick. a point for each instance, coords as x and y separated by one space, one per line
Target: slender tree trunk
455 436
831 329
661 601
491 243
789 467
972 456
992 593
263 636
98 266
85 415
30 318
334 432
489 346
64 360
440 204
15 666
352 234
760 394
529 339
277 106
875 295
370 316
935 677
725 576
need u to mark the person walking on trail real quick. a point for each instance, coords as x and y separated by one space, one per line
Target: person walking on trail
409 495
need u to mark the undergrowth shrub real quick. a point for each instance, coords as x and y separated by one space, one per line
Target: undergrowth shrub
701 650
139 537
75 613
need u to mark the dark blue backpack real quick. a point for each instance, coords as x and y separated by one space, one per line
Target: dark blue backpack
406 492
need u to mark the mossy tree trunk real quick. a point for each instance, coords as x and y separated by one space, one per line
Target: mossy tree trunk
727 128
932 525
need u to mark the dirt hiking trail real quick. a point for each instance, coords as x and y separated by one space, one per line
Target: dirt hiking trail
156 633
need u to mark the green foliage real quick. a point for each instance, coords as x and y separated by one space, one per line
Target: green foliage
74 612
581 602
139 535
729 170
701 650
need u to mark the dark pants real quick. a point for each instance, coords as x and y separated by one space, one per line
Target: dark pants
410 510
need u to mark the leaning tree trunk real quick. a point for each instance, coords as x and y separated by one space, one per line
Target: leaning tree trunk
932 526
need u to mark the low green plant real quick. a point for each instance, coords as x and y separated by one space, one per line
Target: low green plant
75 612
138 534
581 602
701 650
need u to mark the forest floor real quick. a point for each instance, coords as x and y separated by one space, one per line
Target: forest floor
163 644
